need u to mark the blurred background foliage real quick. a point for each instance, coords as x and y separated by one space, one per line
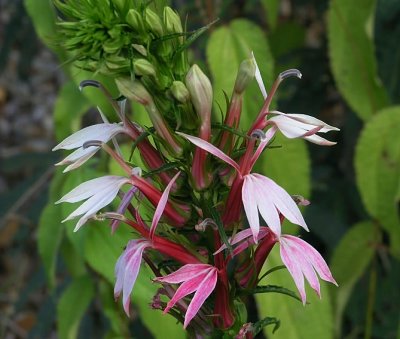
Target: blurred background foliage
349 55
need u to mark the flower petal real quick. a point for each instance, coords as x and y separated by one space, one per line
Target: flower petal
249 197
102 132
210 149
259 79
182 274
203 292
161 205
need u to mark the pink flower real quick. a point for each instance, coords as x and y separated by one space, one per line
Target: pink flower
259 193
198 278
300 258
127 269
100 132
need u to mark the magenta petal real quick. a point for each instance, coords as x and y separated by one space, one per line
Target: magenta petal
161 205
203 292
210 149
188 287
185 272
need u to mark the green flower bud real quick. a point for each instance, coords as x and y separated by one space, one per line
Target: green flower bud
172 21
247 70
153 22
200 90
133 90
140 48
112 46
143 67
134 19
180 92
121 5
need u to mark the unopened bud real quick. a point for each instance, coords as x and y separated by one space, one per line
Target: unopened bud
247 70
121 5
180 92
153 22
200 90
143 67
133 90
172 21
134 19
140 48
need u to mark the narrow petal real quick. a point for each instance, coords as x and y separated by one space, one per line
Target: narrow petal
314 257
250 205
161 205
283 201
316 139
289 261
307 119
91 187
102 132
259 79
79 153
131 272
182 274
204 290
210 149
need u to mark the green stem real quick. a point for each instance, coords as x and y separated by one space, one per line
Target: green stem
371 300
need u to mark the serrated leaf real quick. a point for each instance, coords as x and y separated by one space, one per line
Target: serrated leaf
349 262
377 164
352 55
72 306
297 321
273 289
227 47
68 108
259 325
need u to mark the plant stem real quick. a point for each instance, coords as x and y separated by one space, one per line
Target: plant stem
371 300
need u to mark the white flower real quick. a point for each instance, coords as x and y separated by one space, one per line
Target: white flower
98 193
100 132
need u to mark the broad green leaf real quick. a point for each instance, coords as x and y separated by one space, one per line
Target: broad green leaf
350 26
50 232
350 260
377 164
271 8
72 306
43 18
68 109
296 321
227 47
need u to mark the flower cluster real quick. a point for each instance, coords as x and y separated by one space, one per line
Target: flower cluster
199 185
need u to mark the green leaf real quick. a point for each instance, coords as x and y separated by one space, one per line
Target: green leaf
50 231
69 107
72 306
350 260
377 164
273 289
227 47
271 8
43 18
259 325
352 55
297 321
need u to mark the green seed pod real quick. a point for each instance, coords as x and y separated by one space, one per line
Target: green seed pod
180 92
134 19
153 22
245 75
172 21
143 67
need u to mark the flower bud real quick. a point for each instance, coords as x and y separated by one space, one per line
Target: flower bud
143 67
134 19
180 92
172 21
121 5
247 70
200 90
153 22
133 90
